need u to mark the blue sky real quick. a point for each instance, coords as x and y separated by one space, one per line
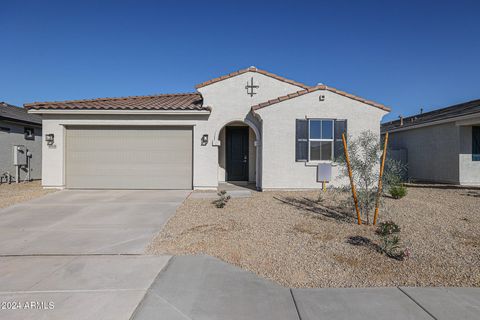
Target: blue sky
404 54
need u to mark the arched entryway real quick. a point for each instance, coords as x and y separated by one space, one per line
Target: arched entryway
238 153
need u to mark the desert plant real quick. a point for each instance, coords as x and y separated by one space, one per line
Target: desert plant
390 243
398 191
222 200
365 155
395 173
387 228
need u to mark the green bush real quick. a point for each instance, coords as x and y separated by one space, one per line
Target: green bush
387 228
398 191
222 200
390 243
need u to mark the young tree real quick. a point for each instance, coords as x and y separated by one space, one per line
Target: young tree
365 153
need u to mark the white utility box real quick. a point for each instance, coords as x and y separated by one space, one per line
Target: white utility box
19 156
324 172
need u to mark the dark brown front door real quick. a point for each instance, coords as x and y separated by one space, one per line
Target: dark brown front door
237 153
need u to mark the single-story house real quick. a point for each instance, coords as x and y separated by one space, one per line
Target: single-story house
440 146
19 128
250 126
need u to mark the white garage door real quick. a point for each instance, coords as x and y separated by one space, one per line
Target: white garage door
128 157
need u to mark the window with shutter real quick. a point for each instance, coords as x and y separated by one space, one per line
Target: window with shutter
301 147
319 139
475 143
340 128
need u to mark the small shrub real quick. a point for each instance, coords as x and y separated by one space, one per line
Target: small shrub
398 191
387 228
390 243
222 200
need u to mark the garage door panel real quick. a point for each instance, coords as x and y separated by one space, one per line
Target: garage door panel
129 157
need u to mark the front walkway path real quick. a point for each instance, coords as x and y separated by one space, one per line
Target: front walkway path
202 287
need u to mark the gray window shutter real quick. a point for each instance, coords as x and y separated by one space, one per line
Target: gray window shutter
301 140
475 143
340 127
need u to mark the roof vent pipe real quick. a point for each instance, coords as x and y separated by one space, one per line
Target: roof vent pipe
401 120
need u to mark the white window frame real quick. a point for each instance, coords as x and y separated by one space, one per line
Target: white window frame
325 140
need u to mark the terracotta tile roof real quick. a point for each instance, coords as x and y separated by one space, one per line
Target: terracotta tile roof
312 89
176 101
13 113
252 69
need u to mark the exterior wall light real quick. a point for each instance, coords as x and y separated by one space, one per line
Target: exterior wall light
204 139
50 138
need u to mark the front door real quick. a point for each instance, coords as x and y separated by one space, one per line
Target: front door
237 153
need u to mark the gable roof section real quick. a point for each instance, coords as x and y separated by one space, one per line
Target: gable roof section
316 88
176 101
458 110
251 69
13 113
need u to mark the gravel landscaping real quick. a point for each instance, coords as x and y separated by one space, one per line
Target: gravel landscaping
289 238
14 193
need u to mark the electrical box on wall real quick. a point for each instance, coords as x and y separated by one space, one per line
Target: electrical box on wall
19 156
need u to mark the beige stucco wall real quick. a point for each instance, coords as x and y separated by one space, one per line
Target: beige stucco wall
469 170
16 136
280 170
432 152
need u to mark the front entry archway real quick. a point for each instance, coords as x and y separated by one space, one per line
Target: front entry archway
237 153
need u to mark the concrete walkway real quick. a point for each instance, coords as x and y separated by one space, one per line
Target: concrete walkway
202 287
82 251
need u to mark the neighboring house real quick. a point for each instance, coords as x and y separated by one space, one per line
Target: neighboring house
18 127
441 146
247 126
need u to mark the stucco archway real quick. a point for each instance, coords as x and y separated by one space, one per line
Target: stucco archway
254 151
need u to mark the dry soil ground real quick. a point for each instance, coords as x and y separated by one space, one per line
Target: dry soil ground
287 237
14 193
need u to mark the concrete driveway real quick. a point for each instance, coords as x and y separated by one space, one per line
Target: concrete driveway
86 222
81 252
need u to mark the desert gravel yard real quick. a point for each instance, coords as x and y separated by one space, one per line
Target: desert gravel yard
14 193
287 237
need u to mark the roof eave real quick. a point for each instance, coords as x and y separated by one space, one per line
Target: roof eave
19 121
251 69
316 88
120 111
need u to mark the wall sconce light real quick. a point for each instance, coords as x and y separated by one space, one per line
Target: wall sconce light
50 138
204 139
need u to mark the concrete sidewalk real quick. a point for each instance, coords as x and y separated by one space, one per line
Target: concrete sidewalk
80 287
202 287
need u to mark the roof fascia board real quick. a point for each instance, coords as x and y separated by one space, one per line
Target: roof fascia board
110 111
297 94
255 70
20 122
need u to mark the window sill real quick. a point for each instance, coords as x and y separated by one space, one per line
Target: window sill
316 163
